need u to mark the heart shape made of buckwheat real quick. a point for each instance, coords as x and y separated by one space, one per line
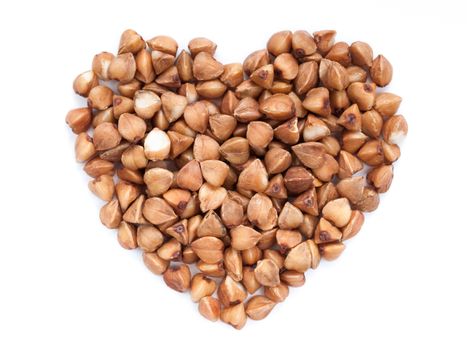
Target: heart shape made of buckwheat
235 179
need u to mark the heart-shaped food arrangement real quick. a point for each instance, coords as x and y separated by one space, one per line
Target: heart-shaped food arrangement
235 179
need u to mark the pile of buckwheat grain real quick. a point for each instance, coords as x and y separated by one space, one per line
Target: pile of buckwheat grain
250 172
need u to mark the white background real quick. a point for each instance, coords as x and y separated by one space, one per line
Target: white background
65 283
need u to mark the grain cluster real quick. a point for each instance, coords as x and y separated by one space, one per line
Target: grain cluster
235 179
